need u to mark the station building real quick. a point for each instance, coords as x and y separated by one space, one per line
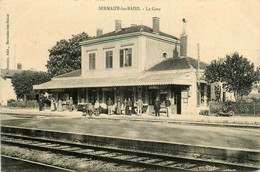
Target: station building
7 90
133 62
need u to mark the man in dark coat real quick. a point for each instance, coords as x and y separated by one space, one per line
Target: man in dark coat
40 103
157 106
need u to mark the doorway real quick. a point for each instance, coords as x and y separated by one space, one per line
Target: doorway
178 98
108 93
153 93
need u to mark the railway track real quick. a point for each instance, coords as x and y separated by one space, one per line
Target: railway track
120 156
15 164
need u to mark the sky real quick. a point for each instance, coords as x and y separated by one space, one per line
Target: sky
220 27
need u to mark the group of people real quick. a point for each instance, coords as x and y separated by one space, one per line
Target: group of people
127 107
157 106
55 106
43 100
119 107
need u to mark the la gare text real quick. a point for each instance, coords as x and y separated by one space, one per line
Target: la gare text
129 8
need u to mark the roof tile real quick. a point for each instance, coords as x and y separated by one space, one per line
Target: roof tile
133 29
178 63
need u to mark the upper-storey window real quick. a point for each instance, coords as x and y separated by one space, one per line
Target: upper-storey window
92 61
126 57
109 59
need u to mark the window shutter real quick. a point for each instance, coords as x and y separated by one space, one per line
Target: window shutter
107 59
111 59
130 56
121 58
94 61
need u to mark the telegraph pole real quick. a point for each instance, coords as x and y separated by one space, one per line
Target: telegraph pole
15 67
198 75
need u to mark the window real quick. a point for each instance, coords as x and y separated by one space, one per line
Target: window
109 59
126 57
164 55
202 94
92 63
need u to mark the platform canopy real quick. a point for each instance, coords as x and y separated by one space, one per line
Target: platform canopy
141 79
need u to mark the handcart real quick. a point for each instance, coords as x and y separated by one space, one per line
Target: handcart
87 109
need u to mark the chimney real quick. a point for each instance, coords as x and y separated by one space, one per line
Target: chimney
156 25
118 25
183 41
99 32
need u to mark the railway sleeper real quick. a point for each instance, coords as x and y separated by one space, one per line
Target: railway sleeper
96 157
121 151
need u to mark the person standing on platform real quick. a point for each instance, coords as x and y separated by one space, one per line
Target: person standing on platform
130 105
110 106
157 107
126 107
140 105
40 103
96 108
70 104
118 110
55 104
167 105
60 106
52 104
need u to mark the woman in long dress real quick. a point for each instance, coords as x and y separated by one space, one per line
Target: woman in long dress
52 104
118 110
60 106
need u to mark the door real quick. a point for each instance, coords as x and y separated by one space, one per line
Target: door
178 97
152 96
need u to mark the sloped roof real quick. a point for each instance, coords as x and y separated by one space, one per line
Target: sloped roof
140 79
74 73
133 29
168 64
178 63
194 63
9 73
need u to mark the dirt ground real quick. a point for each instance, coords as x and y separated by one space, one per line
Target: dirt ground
243 138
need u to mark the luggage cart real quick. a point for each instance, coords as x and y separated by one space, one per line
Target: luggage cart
87 109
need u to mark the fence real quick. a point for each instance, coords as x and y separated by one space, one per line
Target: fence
23 104
243 109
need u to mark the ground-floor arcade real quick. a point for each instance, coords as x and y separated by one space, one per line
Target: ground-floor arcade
184 98
181 87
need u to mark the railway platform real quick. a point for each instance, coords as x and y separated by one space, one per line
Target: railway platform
235 121
231 132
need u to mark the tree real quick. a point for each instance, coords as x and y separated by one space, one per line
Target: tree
258 73
23 82
65 56
235 72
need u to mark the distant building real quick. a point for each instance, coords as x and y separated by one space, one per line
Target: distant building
6 90
132 62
